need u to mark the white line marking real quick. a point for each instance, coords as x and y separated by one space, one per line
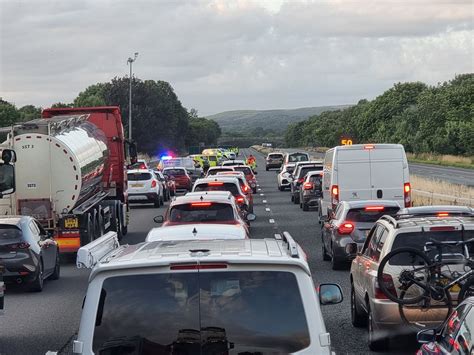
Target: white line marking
267 209
271 220
264 201
258 185
262 194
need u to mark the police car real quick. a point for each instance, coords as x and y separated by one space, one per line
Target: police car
208 297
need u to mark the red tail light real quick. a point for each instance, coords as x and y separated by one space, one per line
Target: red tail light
388 281
334 195
153 183
407 194
197 266
308 186
240 199
375 208
201 204
442 214
369 146
217 183
345 228
442 229
300 180
142 166
245 188
22 245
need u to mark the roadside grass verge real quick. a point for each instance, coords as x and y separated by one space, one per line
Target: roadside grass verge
443 160
442 192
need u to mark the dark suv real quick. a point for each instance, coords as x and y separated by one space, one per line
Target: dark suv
274 161
298 175
311 191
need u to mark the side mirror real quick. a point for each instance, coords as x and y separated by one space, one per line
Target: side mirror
251 217
8 156
158 219
7 179
426 336
255 172
330 294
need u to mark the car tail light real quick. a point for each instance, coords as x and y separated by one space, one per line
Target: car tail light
142 166
245 188
153 183
407 194
334 195
375 208
197 266
388 281
240 199
300 180
308 186
201 204
442 214
442 229
345 228
22 245
369 146
217 183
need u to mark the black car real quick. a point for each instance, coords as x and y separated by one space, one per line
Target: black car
301 169
27 252
311 190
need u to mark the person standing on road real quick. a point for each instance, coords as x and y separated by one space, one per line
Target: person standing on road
251 162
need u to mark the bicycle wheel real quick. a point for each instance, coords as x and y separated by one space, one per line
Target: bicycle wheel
401 270
467 290
428 313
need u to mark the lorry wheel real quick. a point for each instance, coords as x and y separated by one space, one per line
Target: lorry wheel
115 224
97 228
86 233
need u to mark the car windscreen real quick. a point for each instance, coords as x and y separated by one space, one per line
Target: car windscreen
228 186
245 169
205 313
417 240
275 156
202 212
7 232
174 172
293 158
305 169
290 169
215 171
316 180
138 176
369 215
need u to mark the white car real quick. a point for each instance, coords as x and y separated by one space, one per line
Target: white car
144 187
284 176
215 169
233 162
191 297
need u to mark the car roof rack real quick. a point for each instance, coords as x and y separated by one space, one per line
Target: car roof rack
100 250
291 245
390 220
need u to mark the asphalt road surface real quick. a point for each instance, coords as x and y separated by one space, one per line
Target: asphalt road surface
36 322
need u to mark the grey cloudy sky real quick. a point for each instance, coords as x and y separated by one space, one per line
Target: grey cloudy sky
223 55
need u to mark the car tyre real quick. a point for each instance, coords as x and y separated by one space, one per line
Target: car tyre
57 269
358 317
375 344
37 284
326 257
296 199
305 207
292 197
335 264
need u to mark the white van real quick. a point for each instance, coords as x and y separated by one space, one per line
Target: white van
365 172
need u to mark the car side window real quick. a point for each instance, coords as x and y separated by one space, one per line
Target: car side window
34 230
372 248
465 337
339 211
368 240
381 238
40 228
451 328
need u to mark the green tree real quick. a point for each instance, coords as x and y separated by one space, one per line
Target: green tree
8 113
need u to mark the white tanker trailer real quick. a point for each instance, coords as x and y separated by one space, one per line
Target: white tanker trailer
61 177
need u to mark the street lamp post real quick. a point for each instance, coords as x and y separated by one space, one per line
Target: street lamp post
130 61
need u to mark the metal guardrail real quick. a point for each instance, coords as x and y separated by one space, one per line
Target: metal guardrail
455 200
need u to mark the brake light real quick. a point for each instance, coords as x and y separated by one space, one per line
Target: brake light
407 194
153 183
375 208
345 228
334 195
442 229
142 166
300 180
215 183
369 146
197 266
245 188
22 245
443 214
201 204
388 281
308 186
240 199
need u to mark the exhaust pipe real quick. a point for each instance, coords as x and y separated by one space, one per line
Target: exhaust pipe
19 280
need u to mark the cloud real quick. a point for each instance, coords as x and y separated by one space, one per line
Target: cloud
221 54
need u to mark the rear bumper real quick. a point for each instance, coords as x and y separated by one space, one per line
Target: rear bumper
312 201
345 248
147 197
21 269
273 165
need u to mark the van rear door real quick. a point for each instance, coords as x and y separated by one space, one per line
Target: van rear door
387 173
353 174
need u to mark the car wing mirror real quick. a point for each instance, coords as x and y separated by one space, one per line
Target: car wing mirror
330 294
158 219
251 217
426 336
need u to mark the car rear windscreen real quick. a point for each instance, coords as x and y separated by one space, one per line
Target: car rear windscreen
7 231
245 169
201 313
139 177
418 240
202 212
369 216
305 169
293 158
174 172
228 186
275 156
215 171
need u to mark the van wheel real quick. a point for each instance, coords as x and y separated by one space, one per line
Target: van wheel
375 343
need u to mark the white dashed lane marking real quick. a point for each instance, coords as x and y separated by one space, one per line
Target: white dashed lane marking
267 209
262 194
271 220
264 201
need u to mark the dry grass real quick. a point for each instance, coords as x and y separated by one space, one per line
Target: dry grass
447 160
440 187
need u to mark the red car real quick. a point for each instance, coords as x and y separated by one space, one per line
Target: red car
182 180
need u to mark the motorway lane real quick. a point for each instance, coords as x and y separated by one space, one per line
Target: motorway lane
304 228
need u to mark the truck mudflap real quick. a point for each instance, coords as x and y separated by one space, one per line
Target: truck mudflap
69 242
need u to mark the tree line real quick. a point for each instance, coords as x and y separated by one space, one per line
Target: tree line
160 123
425 119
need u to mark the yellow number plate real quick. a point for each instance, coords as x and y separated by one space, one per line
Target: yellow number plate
138 185
71 223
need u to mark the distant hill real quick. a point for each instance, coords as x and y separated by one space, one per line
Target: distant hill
276 120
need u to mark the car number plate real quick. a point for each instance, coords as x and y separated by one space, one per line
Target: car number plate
71 223
137 185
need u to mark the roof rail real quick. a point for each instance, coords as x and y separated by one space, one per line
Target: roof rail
292 246
89 255
390 220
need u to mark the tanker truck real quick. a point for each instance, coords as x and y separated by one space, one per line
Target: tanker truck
69 174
